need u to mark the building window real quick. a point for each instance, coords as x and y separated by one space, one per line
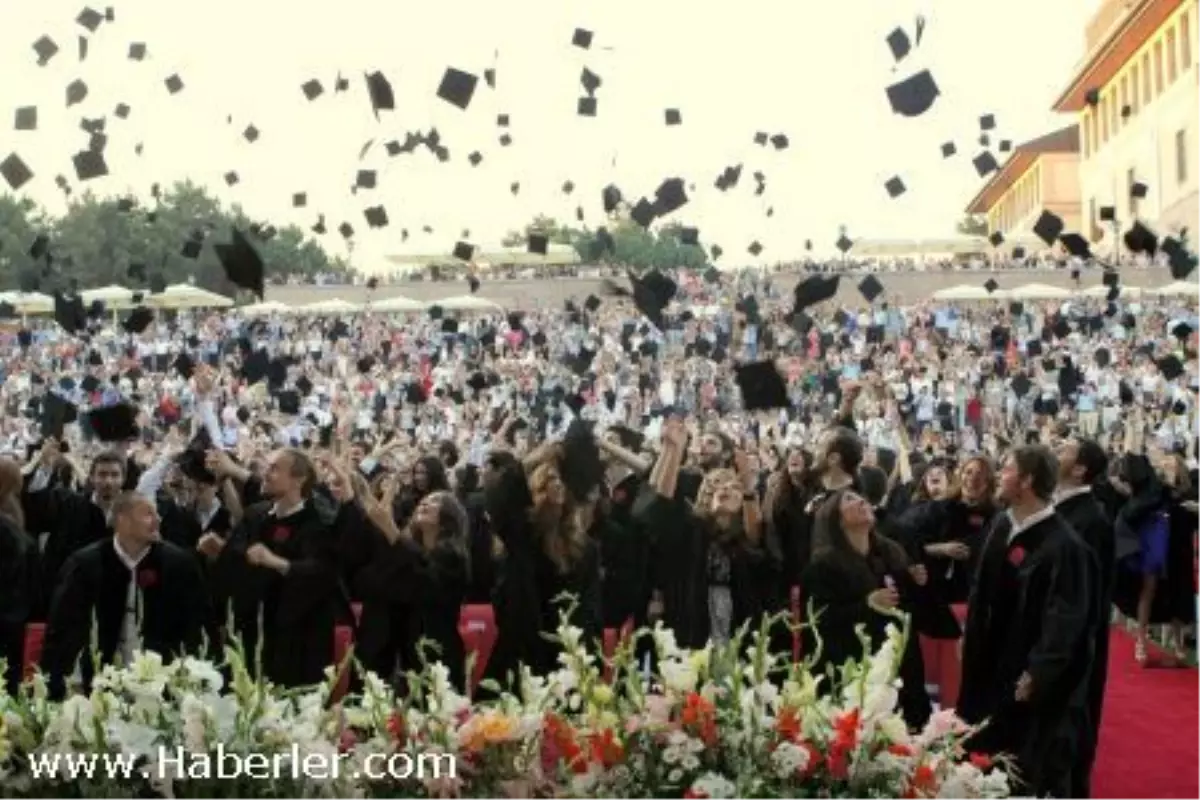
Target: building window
1158 67
1092 212
1114 113
1172 60
1133 88
1130 180
1181 165
1124 99
1147 95
1185 40
1103 121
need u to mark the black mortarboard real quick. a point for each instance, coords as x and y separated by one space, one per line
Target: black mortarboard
1182 331
251 134
1018 252
1048 227
380 91
1170 366
780 141
1076 245
299 200
475 158
376 216
762 386
984 140
538 243
45 49
586 107
590 81
457 87
611 197
895 186
1021 384
1092 97
582 38
174 84
1180 260
755 249
69 312
689 236
231 178
26 118
1004 146
670 196
898 42
870 288
464 251
185 365
137 51
90 18
914 95
844 243
242 263
985 163
115 423
815 289
987 122
1108 213
948 149
346 230
138 320
77 92
1140 239
505 140
56 412
502 120
312 89
996 238
672 116
1138 190
366 179
89 164
568 187
15 171
643 213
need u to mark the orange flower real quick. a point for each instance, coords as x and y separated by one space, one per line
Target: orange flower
489 727
787 724
699 717
607 750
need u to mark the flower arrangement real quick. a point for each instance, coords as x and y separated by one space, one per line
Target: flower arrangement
705 724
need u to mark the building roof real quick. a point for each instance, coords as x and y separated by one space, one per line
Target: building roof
1063 140
556 254
1125 36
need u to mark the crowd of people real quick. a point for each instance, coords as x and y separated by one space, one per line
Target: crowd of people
179 480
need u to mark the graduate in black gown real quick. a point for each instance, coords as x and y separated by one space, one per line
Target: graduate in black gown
1081 463
18 571
283 562
142 592
1027 652
858 577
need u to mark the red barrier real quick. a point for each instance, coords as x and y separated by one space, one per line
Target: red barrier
477 627
343 639
35 636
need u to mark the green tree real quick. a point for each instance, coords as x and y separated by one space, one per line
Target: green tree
972 225
633 245
97 241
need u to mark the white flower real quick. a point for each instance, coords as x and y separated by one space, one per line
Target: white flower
713 785
679 676
132 738
675 775
194 714
894 729
202 672
789 759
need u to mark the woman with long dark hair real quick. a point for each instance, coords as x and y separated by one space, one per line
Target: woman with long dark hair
859 578
17 568
428 475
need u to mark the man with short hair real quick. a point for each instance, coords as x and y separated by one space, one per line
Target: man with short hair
1027 649
142 593
1081 463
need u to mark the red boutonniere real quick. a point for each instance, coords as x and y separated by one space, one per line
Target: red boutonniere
1016 556
147 578
281 534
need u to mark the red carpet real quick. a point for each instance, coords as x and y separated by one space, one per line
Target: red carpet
1148 736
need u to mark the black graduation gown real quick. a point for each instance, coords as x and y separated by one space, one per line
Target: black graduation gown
483 567
681 552
938 522
624 558
299 610
1032 609
528 583
1087 518
837 583
95 583
72 521
18 570
409 594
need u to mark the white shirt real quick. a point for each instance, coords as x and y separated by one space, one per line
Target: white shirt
278 513
130 639
1033 519
1066 494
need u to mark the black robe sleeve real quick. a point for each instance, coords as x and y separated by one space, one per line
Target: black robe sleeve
1065 621
68 626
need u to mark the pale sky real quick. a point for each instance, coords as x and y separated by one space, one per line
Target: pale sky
816 72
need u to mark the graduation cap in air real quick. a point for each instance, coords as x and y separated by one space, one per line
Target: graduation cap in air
57 412
376 216
464 251
763 388
1170 367
914 95
46 49
16 173
77 92
1140 239
457 87
1138 190
586 107
672 116
1076 245
895 186
985 163
538 243
380 91
174 84
69 312
89 164
899 43
312 89
870 288
26 118
1180 260
242 263
114 423
582 38
1048 227
138 320
815 289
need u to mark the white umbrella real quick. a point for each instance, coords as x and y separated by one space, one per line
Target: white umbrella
1039 291
398 304
467 302
112 296
266 308
28 302
335 305
1182 288
967 291
183 295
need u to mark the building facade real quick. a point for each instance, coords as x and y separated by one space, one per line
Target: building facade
1136 96
1041 174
